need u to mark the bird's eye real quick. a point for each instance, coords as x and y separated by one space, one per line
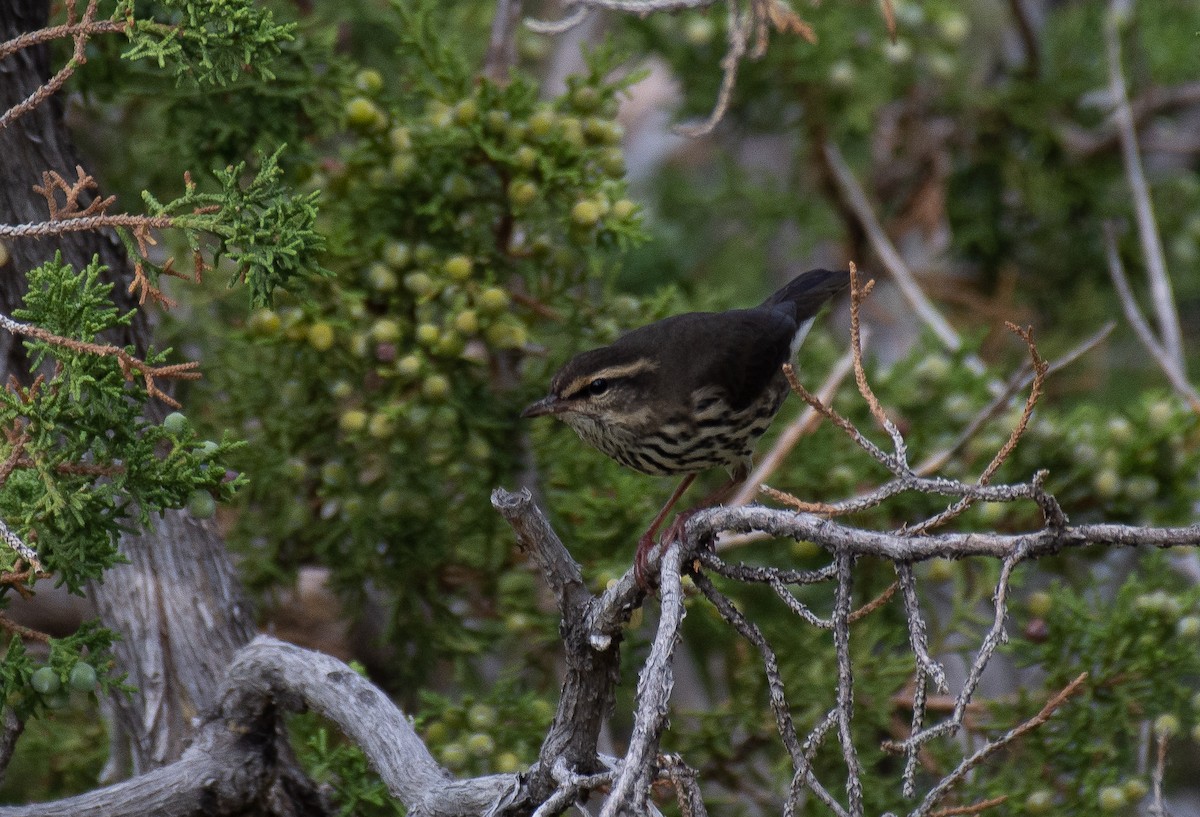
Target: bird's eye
597 386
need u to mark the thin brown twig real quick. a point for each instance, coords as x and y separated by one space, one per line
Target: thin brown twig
18 577
841 422
949 781
799 608
1040 367
141 283
822 508
17 441
875 603
130 366
814 402
534 305
95 216
87 26
54 183
857 296
973 808
1018 381
943 703
83 469
10 626
45 35
897 462
784 19
889 17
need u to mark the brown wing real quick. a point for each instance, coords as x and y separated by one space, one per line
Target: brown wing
737 352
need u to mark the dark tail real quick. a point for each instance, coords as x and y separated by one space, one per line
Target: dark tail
807 292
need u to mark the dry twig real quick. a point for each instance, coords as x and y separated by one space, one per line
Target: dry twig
80 30
1040 367
654 694
1173 371
1018 381
971 808
1161 294
17 545
804 777
72 216
856 198
28 633
968 763
1157 808
130 366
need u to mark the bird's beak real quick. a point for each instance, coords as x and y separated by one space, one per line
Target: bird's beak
550 404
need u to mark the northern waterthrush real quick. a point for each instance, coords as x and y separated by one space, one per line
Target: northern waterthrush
689 392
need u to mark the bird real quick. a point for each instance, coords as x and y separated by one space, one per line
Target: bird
690 392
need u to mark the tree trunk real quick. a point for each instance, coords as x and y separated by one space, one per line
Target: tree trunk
177 604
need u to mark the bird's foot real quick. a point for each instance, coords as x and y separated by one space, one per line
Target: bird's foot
678 527
647 583
675 532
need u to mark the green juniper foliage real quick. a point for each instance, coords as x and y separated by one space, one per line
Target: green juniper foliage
210 42
58 754
83 466
462 216
498 731
263 229
342 769
1136 647
476 234
90 466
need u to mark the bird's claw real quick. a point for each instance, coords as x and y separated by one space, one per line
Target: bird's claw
645 582
675 532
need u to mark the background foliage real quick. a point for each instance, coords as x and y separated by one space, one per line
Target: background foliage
470 235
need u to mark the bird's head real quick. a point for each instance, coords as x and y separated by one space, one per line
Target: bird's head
606 386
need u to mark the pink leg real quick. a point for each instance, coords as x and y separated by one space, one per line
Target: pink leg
676 529
646 542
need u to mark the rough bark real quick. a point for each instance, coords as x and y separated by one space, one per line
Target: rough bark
35 143
232 767
591 630
182 618
177 603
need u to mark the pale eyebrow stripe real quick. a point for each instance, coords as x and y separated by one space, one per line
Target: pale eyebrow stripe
611 373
